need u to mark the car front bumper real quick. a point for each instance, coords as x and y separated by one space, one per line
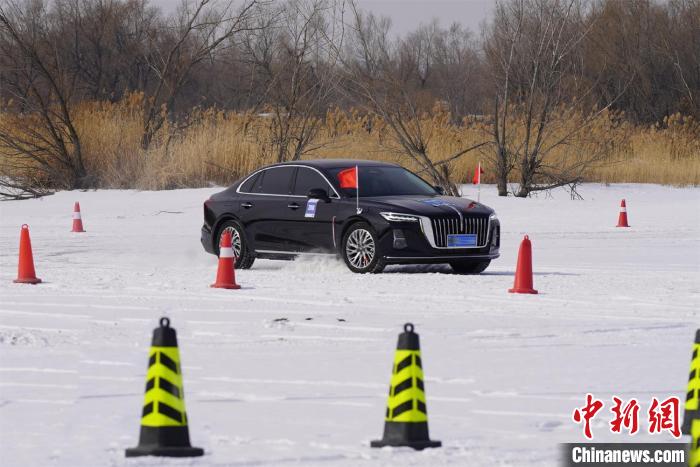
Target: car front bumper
437 259
414 246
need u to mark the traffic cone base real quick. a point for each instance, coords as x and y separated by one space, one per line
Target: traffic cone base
692 402
414 435
155 450
622 218
406 420
523 270
164 430
25 266
77 219
523 290
36 280
225 286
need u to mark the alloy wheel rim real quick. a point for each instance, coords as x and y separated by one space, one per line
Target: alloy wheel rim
236 241
359 248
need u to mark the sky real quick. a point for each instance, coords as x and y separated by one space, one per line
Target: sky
406 15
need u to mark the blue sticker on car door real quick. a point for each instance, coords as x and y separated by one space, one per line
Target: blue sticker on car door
311 208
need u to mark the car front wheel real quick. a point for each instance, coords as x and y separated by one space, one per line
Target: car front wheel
360 249
469 267
244 257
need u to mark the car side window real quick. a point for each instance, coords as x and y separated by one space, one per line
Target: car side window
275 181
249 185
308 179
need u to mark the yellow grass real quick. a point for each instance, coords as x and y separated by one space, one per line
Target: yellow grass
668 154
218 147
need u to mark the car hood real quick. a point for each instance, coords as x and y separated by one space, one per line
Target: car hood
426 205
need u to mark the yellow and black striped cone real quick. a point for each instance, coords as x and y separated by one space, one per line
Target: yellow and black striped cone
694 451
692 402
406 422
164 429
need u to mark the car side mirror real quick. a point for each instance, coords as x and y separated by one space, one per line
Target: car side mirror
319 193
439 189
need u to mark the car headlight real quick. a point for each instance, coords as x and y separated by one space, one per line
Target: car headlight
493 217
396 217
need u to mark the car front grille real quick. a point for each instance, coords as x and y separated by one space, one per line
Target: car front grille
444 226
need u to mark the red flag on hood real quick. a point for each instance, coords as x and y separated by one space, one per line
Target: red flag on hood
348 178
476 179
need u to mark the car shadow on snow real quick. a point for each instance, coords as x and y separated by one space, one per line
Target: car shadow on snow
446 269
418 269
512 273
396 268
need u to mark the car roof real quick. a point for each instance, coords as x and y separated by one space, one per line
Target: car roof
337 163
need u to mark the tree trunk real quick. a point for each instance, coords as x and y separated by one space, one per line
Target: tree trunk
502 173
146 140
147 134
526 177
522 192
80 180
502 187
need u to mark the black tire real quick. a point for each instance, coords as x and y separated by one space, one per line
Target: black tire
469 267
246 257
353 239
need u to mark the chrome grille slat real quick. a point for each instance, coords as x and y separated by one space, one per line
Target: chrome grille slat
444 226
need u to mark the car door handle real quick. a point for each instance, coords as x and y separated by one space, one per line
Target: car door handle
247 205
293 206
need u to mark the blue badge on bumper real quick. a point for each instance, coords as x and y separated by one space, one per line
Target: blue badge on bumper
461 240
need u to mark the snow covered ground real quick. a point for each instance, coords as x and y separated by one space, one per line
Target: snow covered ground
294 368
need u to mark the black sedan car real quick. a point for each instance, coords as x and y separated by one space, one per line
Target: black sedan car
311 207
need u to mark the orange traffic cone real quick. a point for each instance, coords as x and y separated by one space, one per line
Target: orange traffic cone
523 273
226 276
77 220
622 220
25 269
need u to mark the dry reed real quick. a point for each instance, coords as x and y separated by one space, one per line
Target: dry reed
215 147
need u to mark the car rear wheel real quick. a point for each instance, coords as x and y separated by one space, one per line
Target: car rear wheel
469 267
243 256
360 249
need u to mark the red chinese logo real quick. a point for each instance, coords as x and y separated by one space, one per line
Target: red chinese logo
626 417
586 414
663 416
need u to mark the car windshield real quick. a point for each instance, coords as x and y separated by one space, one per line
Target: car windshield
385 181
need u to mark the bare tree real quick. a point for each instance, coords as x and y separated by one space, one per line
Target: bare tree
104 42
532 48
680 43
459 74
381 83
193 35
649 49
547 71
293 58
39 142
